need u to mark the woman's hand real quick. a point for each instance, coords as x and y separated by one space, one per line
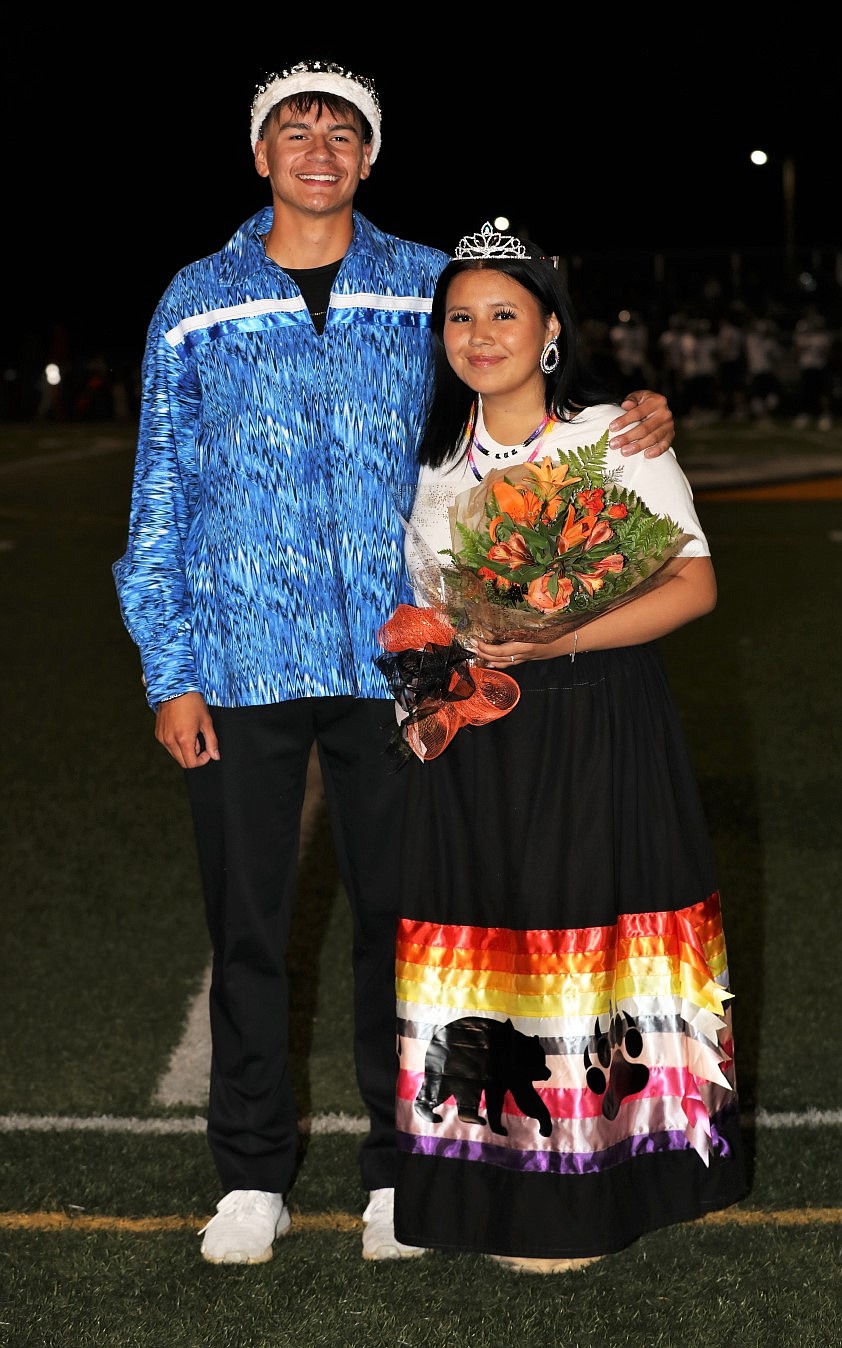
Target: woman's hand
682 590
507 654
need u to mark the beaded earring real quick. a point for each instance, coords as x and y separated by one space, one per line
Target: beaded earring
550 357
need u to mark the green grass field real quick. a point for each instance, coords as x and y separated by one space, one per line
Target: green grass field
103 1187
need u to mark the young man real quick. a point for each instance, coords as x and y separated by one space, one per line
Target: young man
284 380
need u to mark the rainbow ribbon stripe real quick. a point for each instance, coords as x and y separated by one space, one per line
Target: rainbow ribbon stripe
662 975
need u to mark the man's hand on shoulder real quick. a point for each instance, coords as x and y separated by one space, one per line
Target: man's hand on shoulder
650 422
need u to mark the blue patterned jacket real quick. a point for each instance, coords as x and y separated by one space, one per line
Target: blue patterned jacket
265 542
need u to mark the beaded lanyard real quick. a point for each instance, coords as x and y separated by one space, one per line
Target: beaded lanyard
473 443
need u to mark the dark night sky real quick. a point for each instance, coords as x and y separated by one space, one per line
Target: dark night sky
126 157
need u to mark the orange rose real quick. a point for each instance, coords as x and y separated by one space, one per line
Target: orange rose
538 594
591 500
500 582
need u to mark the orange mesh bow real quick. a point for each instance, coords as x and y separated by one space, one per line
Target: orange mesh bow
431 677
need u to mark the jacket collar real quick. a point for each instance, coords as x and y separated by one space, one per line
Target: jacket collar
243 256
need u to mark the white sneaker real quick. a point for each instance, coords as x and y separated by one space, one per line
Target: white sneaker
246 1223
379 1229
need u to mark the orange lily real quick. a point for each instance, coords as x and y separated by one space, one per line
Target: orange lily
595 579
523 507
510 501
552 477
513 552
575 531
600 533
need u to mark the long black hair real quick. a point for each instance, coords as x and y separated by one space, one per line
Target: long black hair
570 387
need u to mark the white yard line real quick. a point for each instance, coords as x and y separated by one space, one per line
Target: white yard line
186 1080
110 1123
333 1124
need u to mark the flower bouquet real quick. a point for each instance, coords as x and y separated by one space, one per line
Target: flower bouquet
542 548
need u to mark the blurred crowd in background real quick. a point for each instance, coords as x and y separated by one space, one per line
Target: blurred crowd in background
722 355
733 365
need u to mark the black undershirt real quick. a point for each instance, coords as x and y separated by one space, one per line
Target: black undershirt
315 285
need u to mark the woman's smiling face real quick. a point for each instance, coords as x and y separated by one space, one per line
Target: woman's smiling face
494 332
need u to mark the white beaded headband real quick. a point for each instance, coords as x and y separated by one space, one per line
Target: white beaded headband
322 77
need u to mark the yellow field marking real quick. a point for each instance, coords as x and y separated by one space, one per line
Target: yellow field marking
812 489
62 1222
781 1217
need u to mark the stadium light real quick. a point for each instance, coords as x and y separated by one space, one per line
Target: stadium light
760 157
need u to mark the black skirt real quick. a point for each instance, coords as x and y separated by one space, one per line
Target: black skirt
566 1060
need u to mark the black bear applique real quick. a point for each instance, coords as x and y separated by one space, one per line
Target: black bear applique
472 1055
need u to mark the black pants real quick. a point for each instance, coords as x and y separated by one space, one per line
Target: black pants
247 813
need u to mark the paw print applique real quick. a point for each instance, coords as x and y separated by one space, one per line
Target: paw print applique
612 1075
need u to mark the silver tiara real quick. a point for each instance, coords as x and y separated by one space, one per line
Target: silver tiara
490 243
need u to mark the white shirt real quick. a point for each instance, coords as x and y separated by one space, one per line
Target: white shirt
659 482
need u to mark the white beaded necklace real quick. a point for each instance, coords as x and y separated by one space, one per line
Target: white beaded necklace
474 444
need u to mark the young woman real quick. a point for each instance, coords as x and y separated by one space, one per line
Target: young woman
566 1067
